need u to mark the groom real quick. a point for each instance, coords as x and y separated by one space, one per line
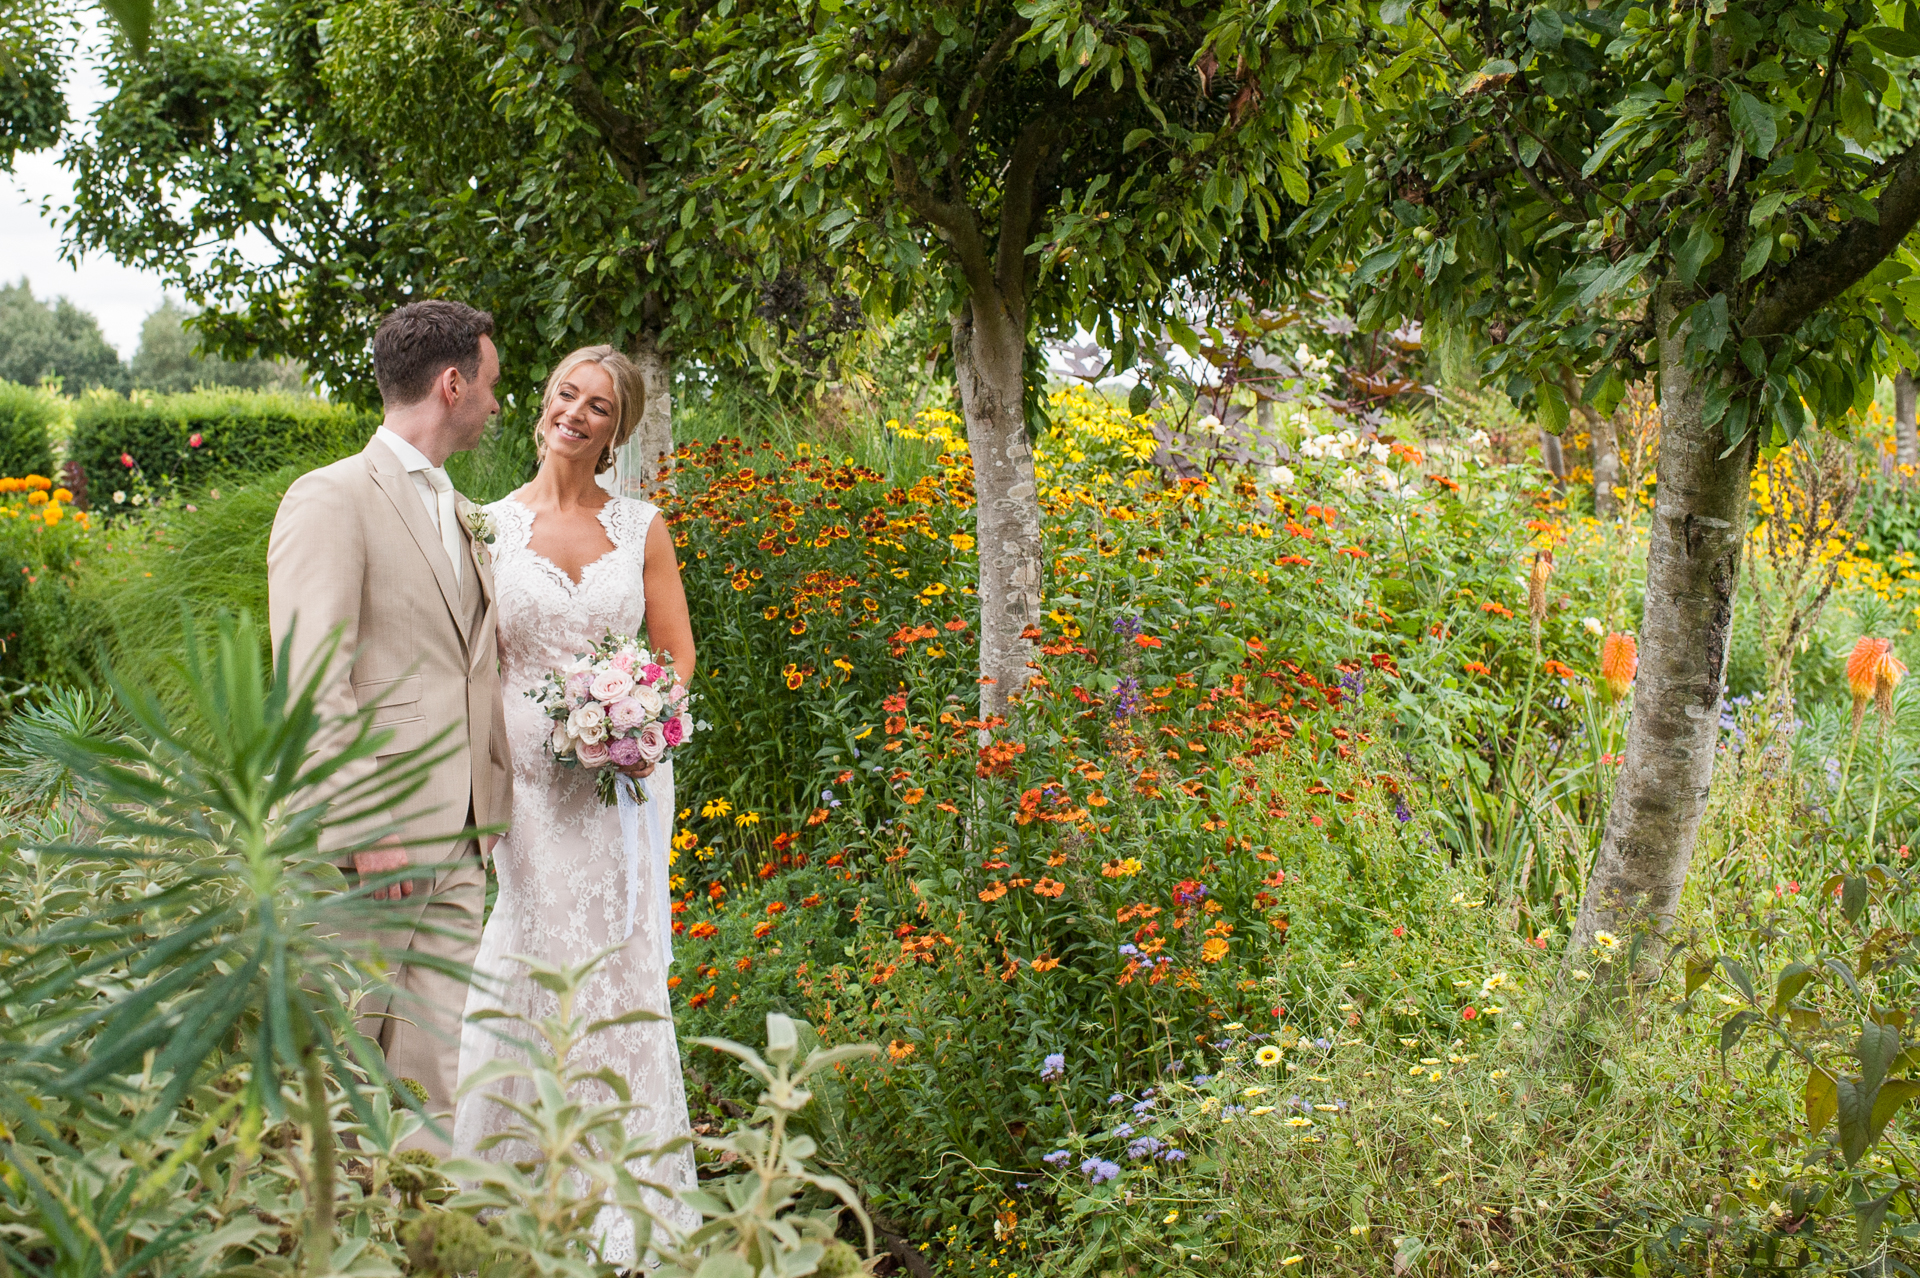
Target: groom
374 549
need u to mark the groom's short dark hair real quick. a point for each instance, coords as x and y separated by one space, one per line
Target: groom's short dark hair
413 344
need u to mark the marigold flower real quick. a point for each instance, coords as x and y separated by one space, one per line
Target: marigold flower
1214 950
1619 660
761 928
703 929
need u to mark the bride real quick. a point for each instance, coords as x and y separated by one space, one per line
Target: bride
571 564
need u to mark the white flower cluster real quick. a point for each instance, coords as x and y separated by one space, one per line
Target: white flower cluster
1368 468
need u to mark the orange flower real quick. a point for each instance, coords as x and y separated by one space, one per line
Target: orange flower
1045 963
761 928
1619 659
1559 670
1214 950
1049 888
1145 641
899 1049
913 796
993 891
776 907
1475 667
808 902
743 965
702 930
1873 672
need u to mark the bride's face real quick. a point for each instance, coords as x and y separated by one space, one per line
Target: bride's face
581 421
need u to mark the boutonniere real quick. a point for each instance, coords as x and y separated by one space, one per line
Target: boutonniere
480 525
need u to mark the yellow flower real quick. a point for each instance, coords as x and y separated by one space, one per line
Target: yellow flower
746 819
1605 941
716 808
961 541
1253 1091
843 664
1299 1120
1258 1110
1171 1217
1291 1260
1268 1055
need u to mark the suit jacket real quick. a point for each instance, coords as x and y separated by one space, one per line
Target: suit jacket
353 549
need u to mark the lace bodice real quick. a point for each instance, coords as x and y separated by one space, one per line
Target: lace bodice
545 619
566 879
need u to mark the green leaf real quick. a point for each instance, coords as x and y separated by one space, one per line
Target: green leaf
1546 30
1853 897
1135 138
1754 356
1699 247
1757 256
1554 414
1394 12
1855 1111
1900 44
1698 971
1819 1099
1294 182
1754 123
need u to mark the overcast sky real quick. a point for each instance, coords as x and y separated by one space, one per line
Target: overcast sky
30 245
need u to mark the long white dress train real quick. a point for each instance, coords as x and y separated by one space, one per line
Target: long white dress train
564 871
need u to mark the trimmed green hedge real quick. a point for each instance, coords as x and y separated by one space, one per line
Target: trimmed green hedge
27 417
237 432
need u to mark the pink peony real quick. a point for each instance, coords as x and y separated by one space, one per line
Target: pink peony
624 660
611 685
592 754
579 686
675 729
626 713
652 742
625 752
651 673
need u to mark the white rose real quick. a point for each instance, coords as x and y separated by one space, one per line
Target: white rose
1380 451
611 684
650 700
559 742
1592 625
1280 477
588 724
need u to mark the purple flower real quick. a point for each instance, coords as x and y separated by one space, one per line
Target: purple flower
1144 1107
1401 812
1201 1080
1058 1158
1131 951
1354 683
1173 1156
1126 698
1174 1067
1127 627
1053 1069
1121 1132
624 751
1116 1098
1144 1147
1099 1169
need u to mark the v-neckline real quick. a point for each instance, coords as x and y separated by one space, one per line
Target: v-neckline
600 517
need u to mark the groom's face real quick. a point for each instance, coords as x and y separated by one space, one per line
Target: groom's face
474 403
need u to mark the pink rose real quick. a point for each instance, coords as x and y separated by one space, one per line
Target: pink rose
579 685
625 752
611 685
676 694
651 673
674 730
652 742
626 713
592 754
624 660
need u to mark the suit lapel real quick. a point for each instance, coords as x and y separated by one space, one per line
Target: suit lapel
394 481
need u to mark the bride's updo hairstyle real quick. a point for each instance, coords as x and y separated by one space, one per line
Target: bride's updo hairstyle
629 398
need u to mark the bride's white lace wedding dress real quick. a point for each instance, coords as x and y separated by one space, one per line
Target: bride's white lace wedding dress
564 868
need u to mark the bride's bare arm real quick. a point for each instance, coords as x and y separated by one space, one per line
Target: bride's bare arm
668 626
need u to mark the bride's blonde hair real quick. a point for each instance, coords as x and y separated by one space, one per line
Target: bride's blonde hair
629 398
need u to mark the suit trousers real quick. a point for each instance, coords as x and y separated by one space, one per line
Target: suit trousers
416 1015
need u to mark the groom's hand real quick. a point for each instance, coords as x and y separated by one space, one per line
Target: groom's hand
384 858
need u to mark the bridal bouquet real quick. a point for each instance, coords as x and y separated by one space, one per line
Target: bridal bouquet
612 708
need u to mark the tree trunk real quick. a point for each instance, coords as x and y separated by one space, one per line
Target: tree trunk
1906 446
1554 457
651 446
989 349
1607 478
1693 567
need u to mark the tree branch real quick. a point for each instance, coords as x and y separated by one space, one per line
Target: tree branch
954 221
1563 210
912 59
1017 207
1819 275
975 96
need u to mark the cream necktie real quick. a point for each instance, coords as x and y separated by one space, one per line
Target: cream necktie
449 517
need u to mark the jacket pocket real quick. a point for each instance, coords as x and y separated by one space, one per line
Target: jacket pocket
394 701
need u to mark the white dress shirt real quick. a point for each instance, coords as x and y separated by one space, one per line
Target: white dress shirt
427 479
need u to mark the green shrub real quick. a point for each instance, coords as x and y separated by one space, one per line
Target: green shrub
27 418
190 438
44 547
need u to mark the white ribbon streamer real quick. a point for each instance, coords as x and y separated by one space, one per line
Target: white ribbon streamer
637 805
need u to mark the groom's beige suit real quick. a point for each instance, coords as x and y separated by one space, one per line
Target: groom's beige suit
355 552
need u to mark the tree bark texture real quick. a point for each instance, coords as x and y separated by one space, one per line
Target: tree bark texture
650 448
1693 567
1906 446
1607 477
989 350
1553 457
